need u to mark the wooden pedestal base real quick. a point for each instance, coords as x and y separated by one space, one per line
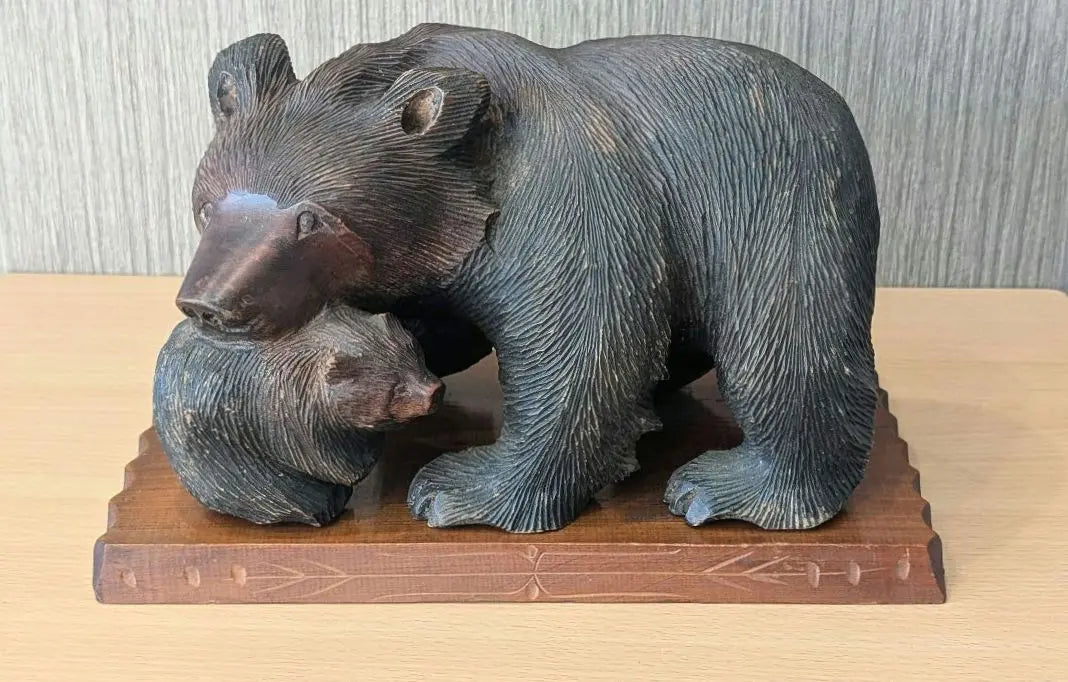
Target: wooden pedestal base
162 547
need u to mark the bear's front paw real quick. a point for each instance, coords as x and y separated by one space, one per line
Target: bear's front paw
717 485
488 485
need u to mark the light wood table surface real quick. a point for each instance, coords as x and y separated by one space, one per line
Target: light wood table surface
978 380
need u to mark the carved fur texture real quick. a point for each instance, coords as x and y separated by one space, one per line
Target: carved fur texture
275 431
646 208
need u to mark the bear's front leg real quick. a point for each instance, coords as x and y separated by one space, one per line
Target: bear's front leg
576 399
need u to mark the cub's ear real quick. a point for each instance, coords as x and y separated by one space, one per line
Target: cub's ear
248 71
437 103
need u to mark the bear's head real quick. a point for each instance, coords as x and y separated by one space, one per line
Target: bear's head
280 429
363 183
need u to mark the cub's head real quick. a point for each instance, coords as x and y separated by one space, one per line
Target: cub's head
362 183
363 371
280 429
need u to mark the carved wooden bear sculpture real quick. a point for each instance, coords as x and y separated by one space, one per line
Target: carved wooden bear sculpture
281 430
608 216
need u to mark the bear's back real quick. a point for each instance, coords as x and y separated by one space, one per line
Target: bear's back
637 90
657 97
689 137
655 71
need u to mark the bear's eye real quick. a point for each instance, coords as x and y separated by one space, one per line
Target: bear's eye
307 222
205 212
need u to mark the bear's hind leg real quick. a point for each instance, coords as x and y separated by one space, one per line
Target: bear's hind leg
796 367
789 317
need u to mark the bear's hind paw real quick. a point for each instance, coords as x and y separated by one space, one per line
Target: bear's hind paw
740 484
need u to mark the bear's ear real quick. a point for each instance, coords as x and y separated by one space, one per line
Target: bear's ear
248 71
437 103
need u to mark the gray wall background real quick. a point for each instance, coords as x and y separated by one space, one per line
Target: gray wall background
964 105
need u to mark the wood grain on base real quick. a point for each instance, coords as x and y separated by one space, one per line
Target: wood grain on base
161 546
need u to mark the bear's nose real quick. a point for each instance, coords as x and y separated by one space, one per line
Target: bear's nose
202 312
436 395
411 401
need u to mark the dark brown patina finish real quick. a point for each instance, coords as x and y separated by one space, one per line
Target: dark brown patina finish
659 205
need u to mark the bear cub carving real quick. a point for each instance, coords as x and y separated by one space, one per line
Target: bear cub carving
280 430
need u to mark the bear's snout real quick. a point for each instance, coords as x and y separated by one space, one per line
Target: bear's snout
249 274
416 399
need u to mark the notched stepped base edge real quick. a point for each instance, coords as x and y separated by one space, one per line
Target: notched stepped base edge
161 547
